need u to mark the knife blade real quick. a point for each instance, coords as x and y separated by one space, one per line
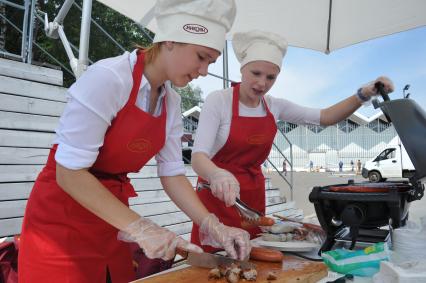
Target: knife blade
207 260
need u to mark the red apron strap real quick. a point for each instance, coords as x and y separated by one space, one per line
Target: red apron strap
234 84
137 77
236 100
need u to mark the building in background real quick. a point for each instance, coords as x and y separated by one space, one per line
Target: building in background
357 137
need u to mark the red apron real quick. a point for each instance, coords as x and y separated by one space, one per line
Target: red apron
64 242
249 143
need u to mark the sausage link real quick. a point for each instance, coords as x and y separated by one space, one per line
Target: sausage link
262 221
264 254
266 221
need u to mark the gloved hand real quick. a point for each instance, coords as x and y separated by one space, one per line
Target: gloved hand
370 90
156 241
224 186
235 241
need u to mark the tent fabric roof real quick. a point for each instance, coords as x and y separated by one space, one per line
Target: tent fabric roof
322 25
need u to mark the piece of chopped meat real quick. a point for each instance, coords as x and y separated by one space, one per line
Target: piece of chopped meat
284 227
271 276
232 277
222 271
271 237
250 274
236 270
215 274
233 273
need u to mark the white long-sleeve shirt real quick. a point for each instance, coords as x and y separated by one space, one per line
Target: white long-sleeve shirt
215 118
93 102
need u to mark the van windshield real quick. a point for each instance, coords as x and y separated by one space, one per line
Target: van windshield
388 153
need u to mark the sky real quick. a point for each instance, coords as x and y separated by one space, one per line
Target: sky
314 79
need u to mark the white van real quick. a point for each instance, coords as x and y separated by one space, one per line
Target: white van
392 162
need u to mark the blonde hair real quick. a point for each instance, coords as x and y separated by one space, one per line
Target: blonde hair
151 52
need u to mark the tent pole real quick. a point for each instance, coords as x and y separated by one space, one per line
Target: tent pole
29 55
330 7
83 57
225 66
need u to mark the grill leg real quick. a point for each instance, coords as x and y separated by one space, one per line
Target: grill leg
327 245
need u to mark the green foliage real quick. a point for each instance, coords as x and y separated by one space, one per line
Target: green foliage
191 96
12 37
122 29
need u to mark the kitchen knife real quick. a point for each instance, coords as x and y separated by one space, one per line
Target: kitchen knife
208 260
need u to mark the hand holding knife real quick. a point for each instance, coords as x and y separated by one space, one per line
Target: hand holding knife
208 260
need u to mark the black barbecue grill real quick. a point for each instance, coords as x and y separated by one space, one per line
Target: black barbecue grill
366 212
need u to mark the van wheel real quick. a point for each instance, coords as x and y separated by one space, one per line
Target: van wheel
374 177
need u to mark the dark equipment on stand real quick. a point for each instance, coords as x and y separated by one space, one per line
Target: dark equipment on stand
357 212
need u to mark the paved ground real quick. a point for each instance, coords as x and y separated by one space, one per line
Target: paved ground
304 181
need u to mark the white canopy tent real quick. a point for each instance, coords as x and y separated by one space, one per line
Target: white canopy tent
322 25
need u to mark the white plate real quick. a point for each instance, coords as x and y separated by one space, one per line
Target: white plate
291 246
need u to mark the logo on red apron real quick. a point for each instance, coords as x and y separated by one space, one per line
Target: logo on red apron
195 28
257 139
139 145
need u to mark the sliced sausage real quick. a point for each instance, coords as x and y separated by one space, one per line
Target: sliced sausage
264 254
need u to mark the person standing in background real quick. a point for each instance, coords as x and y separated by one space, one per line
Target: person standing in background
237 127
358 166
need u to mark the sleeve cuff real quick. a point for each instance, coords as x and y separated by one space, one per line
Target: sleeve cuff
74 158
169 169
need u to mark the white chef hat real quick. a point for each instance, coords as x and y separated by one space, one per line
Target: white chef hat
259 46
201 22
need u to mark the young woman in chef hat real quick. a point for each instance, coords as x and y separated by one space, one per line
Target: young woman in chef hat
120 114
237 127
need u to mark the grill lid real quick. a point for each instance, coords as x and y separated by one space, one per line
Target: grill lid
409 120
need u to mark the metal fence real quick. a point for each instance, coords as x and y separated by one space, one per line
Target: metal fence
327 146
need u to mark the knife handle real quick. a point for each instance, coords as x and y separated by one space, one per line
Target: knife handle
182 253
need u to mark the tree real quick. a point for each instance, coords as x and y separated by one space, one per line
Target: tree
126 32
122 29
2 27
191 96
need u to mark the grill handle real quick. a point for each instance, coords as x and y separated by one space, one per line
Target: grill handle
380 89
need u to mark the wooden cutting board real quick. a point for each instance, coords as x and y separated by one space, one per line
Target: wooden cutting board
292 270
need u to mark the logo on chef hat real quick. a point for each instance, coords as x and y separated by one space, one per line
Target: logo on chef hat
195 28
139 145
257 139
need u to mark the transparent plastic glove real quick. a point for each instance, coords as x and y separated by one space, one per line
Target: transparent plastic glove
370 90
235 241
224 186
156 241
